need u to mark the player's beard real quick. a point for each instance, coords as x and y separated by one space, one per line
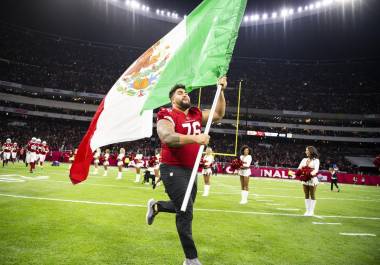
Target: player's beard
184 105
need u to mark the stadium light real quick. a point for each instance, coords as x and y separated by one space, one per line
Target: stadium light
284 12
311 8
135 4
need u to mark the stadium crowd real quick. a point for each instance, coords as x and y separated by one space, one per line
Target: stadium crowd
38 59
67 135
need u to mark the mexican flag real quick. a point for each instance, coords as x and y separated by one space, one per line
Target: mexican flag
195 53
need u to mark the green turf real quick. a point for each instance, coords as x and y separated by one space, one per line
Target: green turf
43 231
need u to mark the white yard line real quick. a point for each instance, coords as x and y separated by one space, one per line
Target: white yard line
11 180
213 192
74 201
320 223
356 234
364 199
197 209
288 209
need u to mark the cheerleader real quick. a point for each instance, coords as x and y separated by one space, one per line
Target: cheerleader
138 162
245 172
157 179
106 162
96 161
120 163
310 186
208 159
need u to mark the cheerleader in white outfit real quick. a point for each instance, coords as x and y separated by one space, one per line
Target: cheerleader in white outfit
106 162
96 161
120 162
139 163
207 171
157 176
310 187
245 172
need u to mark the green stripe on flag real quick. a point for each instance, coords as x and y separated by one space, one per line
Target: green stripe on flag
204 56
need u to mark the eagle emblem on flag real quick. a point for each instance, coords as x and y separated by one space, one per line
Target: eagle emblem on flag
144 73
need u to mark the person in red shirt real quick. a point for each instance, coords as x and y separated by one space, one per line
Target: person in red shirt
7 148
31 156
44 150
38 150
179 129
14 152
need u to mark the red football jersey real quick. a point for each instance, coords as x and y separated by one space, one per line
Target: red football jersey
44 149
32 147
189 124
38 151
7 147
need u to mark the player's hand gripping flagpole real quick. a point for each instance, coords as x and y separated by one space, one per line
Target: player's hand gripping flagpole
201 148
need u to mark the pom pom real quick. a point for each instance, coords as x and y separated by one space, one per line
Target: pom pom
304 174
236 164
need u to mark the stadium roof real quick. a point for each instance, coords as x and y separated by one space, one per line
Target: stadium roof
347 31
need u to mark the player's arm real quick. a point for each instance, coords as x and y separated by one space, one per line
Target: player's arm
220 106
165 130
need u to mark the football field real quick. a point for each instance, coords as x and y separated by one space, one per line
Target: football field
44 219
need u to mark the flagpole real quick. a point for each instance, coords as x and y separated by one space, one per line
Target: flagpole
201 148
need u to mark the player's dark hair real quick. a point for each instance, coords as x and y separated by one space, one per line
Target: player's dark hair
174 89
245 147
313 151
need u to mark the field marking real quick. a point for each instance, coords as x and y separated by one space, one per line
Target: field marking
264 200
356 234
20 178
35 178
275 204
319 198
196 209
214 192
288 209
74 201
11 180
320 223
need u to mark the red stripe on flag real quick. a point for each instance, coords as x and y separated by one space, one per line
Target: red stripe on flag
81 165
